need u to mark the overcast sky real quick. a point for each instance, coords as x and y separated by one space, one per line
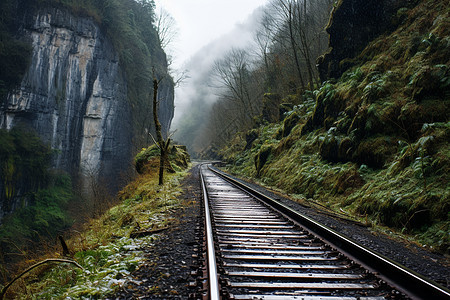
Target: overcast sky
201 21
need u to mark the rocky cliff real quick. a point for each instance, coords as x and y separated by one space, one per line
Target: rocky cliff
353 24
74 94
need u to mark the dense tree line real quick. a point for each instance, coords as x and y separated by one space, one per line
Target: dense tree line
290 38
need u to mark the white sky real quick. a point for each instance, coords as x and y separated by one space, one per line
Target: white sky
201 21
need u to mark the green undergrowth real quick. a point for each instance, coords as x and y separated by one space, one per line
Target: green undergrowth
375 143
33 197
44 217
412 201
148 159
110 248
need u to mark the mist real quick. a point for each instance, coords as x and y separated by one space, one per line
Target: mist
195 96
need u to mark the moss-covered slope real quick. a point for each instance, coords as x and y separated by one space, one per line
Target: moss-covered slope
375 143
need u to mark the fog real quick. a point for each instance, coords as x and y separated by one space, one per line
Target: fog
196 94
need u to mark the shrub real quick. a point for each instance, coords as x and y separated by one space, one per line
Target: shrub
148 159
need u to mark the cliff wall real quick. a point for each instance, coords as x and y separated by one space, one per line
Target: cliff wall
353 24
74 95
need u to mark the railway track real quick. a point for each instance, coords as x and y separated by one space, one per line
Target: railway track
256 251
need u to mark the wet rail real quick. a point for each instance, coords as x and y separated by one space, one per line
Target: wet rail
266 253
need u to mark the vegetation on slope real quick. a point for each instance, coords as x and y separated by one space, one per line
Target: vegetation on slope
25 163
111 246
374 143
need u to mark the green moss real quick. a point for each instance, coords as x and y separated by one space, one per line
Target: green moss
250 137
325 104
289 123
262 157
375 152
148 158
329 149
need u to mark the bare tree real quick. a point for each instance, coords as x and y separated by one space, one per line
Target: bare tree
166 28
237 85
290 38
297 27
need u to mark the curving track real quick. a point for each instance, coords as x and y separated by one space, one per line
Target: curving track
260 253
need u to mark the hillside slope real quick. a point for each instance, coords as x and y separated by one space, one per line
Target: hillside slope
373 143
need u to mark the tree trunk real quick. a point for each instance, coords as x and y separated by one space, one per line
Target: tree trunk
293 45
161 168
163 145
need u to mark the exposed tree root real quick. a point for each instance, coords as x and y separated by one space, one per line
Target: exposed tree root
49 260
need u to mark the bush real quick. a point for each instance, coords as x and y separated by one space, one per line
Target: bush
148 159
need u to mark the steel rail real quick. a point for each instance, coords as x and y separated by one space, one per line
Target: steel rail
213 278
405 280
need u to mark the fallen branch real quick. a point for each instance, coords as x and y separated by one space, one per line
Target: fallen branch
143 233
49 260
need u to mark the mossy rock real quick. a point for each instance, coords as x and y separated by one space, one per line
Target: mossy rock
284 108
318 114
359 122
289 123
346 145
250 137
400 212
329 148
375 152
179 157
284 145
262 157
328 105
307 127
434 81
434 110
143 158
347 180
270 109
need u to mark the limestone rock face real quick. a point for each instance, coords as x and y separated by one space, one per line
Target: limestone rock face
74 95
